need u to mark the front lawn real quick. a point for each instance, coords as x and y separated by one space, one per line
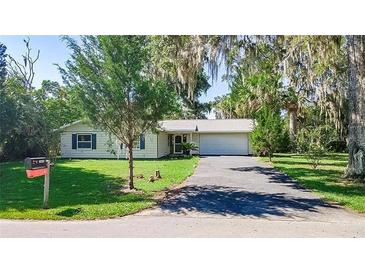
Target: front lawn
325 180
87 189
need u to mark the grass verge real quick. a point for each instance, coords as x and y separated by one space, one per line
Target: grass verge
87 189
326 180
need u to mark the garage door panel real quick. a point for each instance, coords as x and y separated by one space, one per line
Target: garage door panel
223 144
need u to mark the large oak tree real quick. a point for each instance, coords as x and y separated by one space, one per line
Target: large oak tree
356 99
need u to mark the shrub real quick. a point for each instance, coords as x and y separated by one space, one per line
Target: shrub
315 153
269 134
187 147
313 142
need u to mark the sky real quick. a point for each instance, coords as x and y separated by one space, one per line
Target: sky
53 51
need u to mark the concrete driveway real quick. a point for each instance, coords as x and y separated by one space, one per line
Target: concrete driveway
228 196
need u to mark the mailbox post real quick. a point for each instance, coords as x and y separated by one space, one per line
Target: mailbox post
46 187
36 167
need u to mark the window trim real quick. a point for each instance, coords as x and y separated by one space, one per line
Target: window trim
84 148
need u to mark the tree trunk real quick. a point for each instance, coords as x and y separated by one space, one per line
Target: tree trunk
130 161
292 111
356 101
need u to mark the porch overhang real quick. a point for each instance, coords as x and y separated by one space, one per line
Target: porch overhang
180 131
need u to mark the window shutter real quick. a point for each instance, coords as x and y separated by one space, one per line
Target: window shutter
121 145
74 141
93 141
141 141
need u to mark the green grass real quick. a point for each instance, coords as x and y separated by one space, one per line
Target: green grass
87 189
325 180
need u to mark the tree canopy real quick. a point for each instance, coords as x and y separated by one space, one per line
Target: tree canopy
29 116
115 81
309 81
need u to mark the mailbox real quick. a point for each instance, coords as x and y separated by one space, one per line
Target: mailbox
35 163
36 167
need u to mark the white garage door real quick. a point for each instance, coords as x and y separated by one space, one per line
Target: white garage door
224 144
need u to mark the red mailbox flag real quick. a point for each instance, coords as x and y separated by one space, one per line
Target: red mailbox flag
31 173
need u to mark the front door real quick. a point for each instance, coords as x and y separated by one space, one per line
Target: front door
178 144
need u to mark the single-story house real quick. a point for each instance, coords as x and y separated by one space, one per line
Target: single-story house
212 137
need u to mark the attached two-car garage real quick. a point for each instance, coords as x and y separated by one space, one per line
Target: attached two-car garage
223 144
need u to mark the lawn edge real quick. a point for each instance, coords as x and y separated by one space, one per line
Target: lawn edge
318 194
155 197
163 195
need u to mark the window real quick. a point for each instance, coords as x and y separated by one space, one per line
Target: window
137 144
177 139
184 138
83 140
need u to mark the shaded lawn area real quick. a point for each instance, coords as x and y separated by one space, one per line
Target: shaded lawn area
87 189
325 180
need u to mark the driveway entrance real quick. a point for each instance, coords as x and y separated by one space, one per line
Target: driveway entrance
240 186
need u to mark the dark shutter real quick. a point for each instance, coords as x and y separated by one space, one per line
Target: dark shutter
169 140
121 145
141 141
93 141
74 141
